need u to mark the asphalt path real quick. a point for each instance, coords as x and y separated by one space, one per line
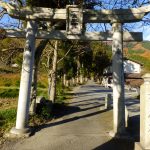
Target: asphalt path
84 126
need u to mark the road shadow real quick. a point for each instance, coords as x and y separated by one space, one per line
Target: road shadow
94 91
87 104
60 110
86 100
68 110
134 127
117 144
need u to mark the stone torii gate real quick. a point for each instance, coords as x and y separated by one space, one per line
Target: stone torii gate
74 31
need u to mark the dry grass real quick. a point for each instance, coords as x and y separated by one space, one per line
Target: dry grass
139 46
7 115
9 80
146 54
8 103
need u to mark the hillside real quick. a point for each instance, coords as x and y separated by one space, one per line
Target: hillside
139 52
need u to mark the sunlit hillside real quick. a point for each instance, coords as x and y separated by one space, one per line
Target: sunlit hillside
139 52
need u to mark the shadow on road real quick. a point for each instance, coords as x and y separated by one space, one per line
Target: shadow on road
93 91
117 144
89 106
86 100
62 110
124 144
70 110
134 127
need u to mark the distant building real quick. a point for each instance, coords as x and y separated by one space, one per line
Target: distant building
130 66
132 70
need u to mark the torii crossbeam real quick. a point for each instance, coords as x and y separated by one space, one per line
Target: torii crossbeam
89 16
87 36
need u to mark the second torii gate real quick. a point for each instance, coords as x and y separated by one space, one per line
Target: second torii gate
116 17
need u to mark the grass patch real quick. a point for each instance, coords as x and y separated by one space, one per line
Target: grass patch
41 85
6 70
130 45
9 93
8 103
61 93
17 83
132 51
7 119
9 80
43 114
146 45
42 92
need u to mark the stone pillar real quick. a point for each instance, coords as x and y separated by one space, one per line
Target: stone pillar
118 81
73 81
145 112
107 101
81 79
25 83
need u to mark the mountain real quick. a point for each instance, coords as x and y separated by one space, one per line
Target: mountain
139 52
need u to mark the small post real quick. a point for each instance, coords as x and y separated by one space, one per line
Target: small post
145 112
118 81
21 127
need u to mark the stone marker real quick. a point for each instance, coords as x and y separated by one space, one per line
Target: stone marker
144 115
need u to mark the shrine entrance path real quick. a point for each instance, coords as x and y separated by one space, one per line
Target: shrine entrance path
84 126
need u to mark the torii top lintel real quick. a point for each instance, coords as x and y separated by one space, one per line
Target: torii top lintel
89 16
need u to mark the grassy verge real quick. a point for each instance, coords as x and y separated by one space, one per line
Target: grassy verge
7 114
146 45
9 90
142 60
8 107
7 119
9 93
132 51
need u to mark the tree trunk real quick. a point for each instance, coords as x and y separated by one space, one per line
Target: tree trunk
54 74
49 82
64 80
78 70
33 91
38 53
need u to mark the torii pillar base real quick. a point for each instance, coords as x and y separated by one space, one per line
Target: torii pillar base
138 146
124 135
26 132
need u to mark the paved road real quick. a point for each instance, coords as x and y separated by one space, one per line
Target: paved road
83 127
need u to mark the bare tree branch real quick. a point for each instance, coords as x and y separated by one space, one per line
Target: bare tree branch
65 55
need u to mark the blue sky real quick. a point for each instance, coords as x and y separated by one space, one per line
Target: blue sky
146 33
